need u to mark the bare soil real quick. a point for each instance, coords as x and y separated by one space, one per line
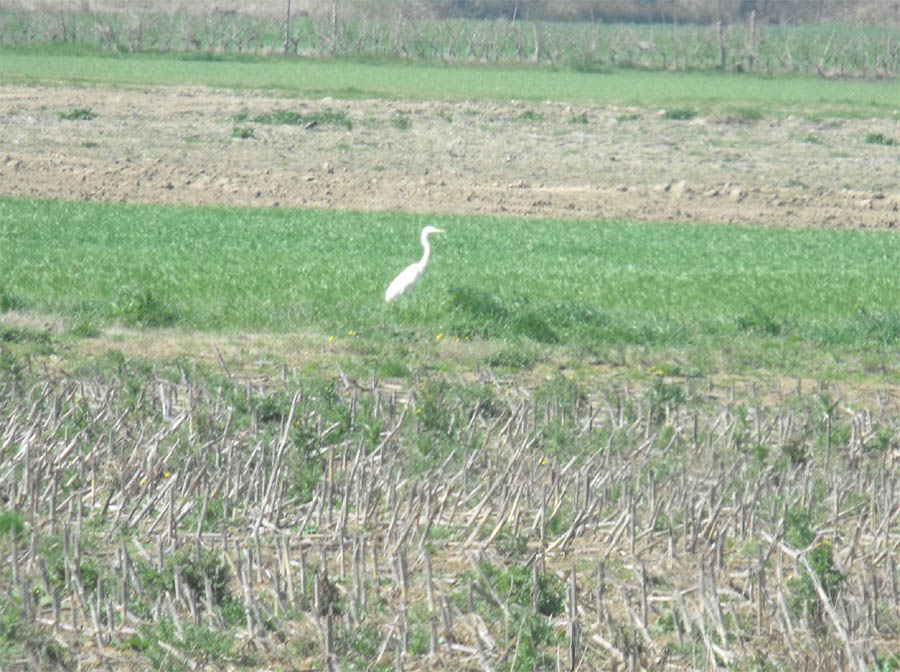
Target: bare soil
176 145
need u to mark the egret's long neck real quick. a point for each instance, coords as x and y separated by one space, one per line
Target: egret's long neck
426 247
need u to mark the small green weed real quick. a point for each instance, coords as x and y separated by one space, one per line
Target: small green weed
667 623
273 408
85 329
812 139
517 585
143 308
289 117
512 546
12 524
562 390
680 114
512 357
10 300
305 469
198 640
194 568
332 116
533 636
243 132
358 647
759 320
628 116
530 116
392 368
799 532
78 114
880 139
18 633
531 605
10 625
662 392
745 114
292 117
401 122
889 664
579 118
803 593
216 511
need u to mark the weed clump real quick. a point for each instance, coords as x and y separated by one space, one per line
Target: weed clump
78 114
880 139
243 132
292 117
530 116
680 114
143 308
401 122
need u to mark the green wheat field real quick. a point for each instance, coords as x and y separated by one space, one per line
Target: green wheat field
777 298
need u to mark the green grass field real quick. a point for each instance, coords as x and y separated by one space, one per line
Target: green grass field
774 297
307 77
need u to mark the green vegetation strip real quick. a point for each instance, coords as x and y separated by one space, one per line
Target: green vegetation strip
339 78
782 298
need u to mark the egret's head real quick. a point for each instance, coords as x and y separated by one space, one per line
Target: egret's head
428 230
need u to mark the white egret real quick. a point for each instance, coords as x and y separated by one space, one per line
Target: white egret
412 273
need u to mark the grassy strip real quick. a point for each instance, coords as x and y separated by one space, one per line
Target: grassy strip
304 77
772 297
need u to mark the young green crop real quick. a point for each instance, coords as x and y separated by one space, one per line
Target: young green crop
587 284
701 91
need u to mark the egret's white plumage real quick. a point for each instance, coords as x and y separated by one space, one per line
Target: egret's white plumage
412 273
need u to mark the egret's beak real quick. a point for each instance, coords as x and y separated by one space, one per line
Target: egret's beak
439 231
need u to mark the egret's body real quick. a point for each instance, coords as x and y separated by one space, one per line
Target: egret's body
410 275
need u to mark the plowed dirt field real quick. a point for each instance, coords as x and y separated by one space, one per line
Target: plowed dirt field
179 145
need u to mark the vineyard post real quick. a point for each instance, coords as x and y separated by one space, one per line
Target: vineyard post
722 49
334 36
287 25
